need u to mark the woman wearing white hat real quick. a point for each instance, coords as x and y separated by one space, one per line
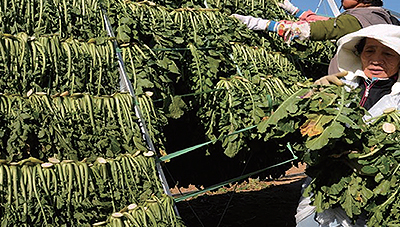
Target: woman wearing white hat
371 58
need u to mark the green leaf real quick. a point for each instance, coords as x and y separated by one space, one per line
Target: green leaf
213 64
346 120
382 188
145 83
122 33
318 201
282 111
42 133
376 218
369 169
336 188
232 149
348 204
178 40
366 192
335 130
163 63
378 177
396 153
139 144
25 116
292 108
177 107
173 68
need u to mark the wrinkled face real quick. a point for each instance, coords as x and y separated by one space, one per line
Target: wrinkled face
349 4
379 60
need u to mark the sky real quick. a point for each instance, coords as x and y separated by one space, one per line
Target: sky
324 8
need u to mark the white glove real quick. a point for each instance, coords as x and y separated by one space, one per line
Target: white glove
253 23
289 7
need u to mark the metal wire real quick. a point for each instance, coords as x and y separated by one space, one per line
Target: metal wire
126 85
233 192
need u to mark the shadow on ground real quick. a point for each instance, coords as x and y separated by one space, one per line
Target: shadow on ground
274 206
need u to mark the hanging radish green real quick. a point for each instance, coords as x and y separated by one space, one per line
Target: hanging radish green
60 100
77 126
52 64
68 18
66 192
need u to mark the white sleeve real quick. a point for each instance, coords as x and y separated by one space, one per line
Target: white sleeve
337 217
304 209
253 23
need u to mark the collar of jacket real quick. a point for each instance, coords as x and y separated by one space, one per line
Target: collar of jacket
353 76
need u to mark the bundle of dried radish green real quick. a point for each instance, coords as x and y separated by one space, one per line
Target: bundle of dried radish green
63 192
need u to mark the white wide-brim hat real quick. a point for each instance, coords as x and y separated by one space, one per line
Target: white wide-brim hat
349 60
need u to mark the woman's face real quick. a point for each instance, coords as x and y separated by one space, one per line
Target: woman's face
379 60
349 4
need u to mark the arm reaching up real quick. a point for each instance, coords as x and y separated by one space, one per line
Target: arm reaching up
308 15
288 30
289 7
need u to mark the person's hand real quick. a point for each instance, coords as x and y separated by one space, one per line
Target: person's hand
289 7
290 30
327 80
331 79
285 30
253 23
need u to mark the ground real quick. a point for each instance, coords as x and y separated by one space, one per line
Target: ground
256 203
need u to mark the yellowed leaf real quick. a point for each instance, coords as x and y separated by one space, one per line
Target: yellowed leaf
311 127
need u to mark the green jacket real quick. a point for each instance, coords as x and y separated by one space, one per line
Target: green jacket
350 21
334 28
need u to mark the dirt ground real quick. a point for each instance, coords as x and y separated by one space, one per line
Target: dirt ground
255 203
